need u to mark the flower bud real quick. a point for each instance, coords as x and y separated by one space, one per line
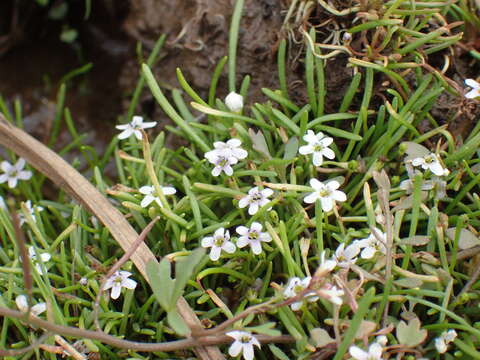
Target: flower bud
234 102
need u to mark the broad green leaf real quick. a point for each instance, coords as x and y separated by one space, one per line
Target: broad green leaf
321 337
259 144
161 282
417 240
176 322
414 150
408 283
466 240
411 335
291 148
183 271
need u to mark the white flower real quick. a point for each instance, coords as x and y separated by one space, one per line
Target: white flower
229 149
326 266
475 92
44 257
118 280
253 237
374 352
382 340
318 146
432 163
150 194
222 163
234 102
346 257
31 210
372 244
332 294
327 193
218 242
22 304
134 127
444 339
294 287
13 173
255 199
83 281
243 343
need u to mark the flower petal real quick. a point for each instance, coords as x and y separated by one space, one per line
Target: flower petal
357 353
241 230
317 158
327 203
311 198
207 241
317 185
306 149
129 284
215 253
125 134
116 290
229 247
235 349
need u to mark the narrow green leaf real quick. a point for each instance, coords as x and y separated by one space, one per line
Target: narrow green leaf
183 271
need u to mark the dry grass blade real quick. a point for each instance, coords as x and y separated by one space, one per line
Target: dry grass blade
67 178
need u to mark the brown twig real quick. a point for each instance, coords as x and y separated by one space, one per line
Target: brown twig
67 178
134 345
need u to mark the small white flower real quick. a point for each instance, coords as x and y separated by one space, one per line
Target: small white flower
118 280
332 294
432 163
150 194
255 199
83 281
222 163
326 266
346 257
372 244
374 352
327 193
31 210
234 102
13 173
318 145
475 92
444 339
134 127
44 257
382 340
253 237
294 287
218 242
243 343
229 149
22 304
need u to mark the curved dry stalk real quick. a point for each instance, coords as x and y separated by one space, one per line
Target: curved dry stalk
134 345
67 178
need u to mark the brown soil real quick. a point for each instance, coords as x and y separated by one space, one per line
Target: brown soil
33 60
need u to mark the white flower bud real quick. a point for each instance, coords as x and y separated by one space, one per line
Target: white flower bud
234 102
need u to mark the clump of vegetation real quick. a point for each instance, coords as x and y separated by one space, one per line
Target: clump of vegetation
282 231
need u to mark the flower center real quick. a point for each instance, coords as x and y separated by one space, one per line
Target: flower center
325 192
298 288
257 197
318 147
429 159
118 280
219 241
223 162
245 339
253 235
